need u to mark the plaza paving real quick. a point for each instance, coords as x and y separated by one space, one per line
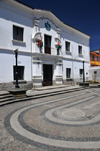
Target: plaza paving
65 122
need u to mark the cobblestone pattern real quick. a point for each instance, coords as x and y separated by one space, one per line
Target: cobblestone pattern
33 119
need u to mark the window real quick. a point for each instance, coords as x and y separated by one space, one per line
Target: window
47 44
80 50
67 46
68 73
96 58
81 72
17 33
20 72
92 57
95 72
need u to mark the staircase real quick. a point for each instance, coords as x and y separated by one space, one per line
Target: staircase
5 97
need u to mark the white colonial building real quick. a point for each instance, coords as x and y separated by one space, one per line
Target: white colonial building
58 61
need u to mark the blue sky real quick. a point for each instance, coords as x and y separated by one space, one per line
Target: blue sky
84 15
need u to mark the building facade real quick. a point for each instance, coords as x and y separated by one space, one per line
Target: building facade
50 52
94 70
95 58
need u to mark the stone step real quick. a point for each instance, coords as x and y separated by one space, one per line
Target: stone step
4 93
6 99
36 96
51 87
5 96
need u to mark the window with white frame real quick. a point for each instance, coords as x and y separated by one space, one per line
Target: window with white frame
68 72
81 73
80 50
67 45
18 33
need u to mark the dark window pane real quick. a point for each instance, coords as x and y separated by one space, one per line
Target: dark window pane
68 73
17 33
47 44
14 32
20 72
67 46
20 34
47 41
80 50
81 72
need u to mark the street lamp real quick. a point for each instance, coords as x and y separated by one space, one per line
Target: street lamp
83 73
16 69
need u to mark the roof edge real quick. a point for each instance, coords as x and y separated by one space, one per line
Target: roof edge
53 14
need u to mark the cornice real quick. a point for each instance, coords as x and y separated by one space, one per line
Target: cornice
41 18
49 14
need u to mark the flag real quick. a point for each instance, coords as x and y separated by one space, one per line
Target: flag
40 44
58 46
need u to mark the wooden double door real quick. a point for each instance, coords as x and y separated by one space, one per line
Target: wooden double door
47 75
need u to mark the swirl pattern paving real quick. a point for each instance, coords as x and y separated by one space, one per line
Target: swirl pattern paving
59 124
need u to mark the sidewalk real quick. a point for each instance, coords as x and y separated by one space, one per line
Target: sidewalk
7 98
51 89
4 92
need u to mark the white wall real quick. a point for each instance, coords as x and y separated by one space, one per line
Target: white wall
95 77
75 67
10 15
7 61
8 18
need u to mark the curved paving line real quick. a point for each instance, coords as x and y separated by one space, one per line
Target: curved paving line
65 123
88 117
47 141
11 119
32 130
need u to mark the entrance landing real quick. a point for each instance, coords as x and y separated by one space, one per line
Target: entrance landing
51 87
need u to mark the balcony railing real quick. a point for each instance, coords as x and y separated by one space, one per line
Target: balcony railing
47 50
52 51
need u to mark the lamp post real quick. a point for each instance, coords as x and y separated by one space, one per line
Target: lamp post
16 71
83 73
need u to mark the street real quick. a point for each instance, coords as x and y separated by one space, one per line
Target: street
64 122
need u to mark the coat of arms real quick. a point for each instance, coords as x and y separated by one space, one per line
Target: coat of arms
47 26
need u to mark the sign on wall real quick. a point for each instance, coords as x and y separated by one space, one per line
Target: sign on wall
47 26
